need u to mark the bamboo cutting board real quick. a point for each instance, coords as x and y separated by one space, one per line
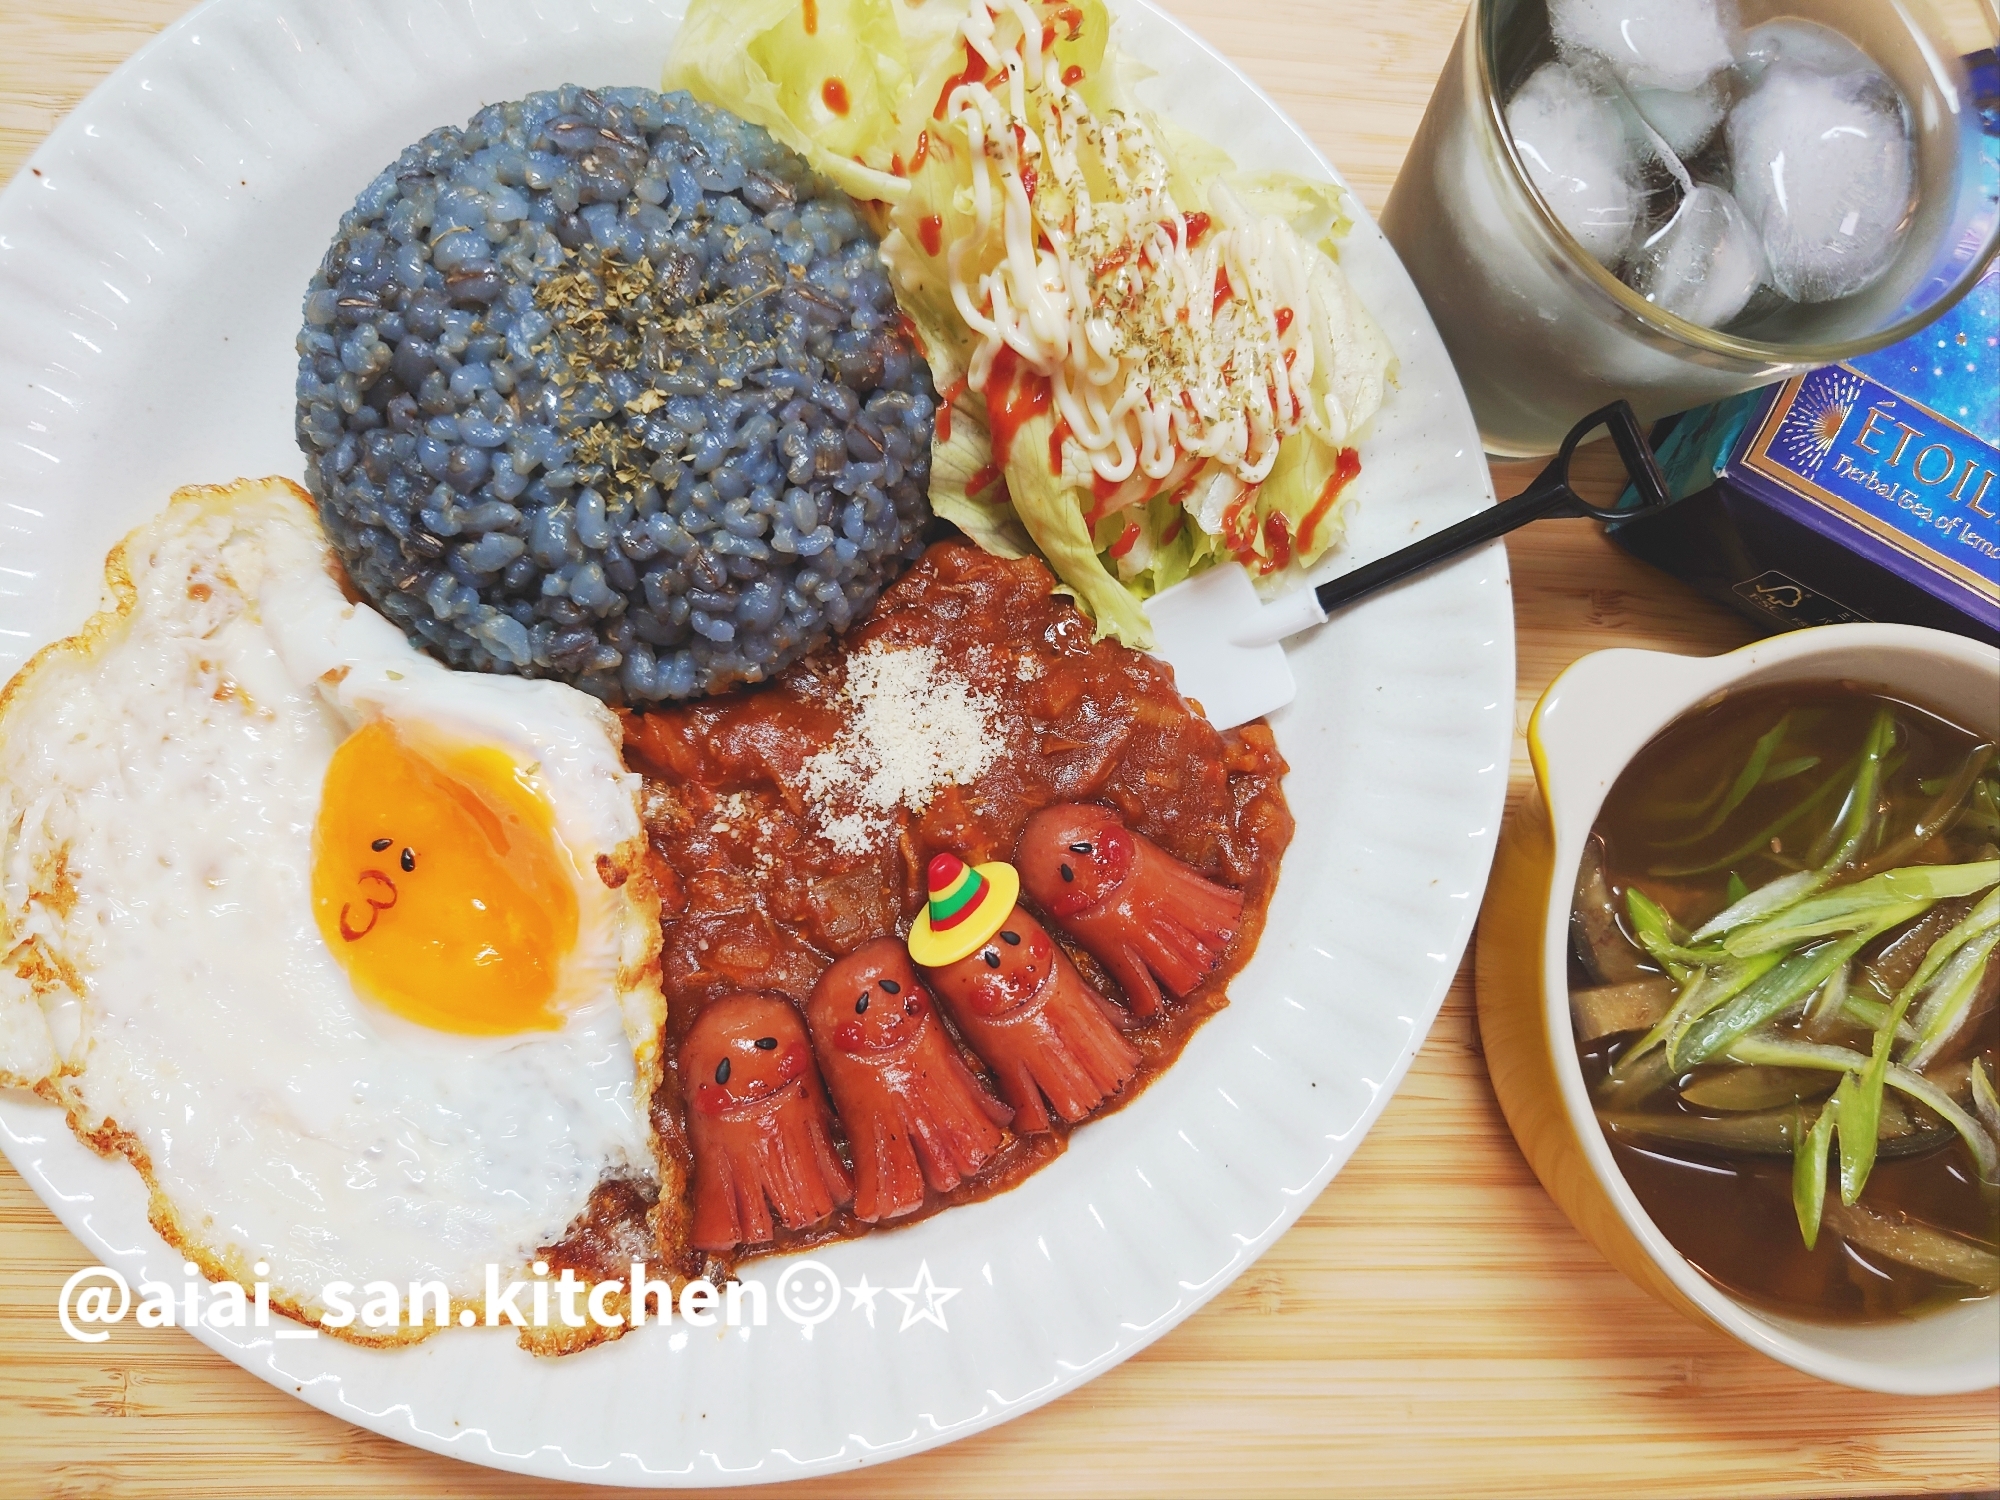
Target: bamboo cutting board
1431 1326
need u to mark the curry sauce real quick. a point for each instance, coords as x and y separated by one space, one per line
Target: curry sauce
756 897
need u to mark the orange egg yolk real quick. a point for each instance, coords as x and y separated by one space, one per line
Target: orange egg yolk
440 885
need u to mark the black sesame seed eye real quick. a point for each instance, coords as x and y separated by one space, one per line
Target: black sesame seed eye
910 1006
1011 939
992 957
890 987
1066 872
1079 848
861 1005
722 1071
409 860
767 1044
380 844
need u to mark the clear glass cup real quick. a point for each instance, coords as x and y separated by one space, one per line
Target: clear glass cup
1541 333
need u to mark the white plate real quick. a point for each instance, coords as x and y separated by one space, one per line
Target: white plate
151 269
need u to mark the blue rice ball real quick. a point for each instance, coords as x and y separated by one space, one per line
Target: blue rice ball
610 387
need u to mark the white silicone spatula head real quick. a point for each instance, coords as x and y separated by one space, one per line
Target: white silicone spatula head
1223 642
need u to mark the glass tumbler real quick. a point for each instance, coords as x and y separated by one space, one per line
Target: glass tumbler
1541 333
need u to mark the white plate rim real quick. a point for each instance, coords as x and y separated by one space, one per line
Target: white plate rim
103 1202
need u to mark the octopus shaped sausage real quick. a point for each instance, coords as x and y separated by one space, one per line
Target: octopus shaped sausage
1045 1033
912 1110
759 1124
1139 911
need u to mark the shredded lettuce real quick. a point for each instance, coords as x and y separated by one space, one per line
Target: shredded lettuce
895 61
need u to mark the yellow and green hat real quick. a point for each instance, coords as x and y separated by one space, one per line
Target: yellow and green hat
966 907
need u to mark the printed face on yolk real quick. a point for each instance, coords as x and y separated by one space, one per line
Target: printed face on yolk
439 884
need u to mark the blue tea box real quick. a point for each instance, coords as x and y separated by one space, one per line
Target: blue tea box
1868 490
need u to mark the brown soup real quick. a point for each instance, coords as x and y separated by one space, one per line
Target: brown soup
1761 787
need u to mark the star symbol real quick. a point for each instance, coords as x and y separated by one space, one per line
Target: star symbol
930 1293
864 1297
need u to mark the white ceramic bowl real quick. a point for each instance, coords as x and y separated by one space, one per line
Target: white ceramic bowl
1589 724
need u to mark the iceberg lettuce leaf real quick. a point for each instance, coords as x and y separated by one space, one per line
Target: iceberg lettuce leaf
988 519
1053 515
756 59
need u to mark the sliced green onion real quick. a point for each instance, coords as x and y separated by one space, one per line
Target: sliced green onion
1783 1054
1701 993
1728 980
1785 770
1847 907
1809 1168
1830 1004
1982 918
1952 800
1659 935
1759 842
1955 960
1753 906
1984 1100
1856 819
1746 782
1872 1013
1795 977
1950 999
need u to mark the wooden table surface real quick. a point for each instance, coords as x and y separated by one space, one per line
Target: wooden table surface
1431 1326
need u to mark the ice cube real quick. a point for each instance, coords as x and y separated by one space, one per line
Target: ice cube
1705 263
1684 119
1823 167
1573 144
1807 43
1650 44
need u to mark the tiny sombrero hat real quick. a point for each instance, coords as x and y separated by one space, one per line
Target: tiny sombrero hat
966 907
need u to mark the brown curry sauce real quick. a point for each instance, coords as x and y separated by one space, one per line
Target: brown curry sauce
753 899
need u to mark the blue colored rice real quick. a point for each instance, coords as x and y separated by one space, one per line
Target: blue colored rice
608 386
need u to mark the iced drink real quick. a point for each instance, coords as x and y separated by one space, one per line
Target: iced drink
1674 200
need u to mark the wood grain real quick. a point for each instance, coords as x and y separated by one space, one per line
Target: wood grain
1431 1326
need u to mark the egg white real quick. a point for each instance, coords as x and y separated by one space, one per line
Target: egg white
161 973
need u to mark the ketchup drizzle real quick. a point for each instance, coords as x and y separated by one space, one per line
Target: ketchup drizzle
1345 467
1014 397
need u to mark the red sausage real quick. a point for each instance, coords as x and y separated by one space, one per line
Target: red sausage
1045 1032
1139 911
912 1111
758 1122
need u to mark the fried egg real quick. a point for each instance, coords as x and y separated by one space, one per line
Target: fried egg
355 957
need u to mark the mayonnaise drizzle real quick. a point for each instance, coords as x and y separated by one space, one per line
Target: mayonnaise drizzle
1160 353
